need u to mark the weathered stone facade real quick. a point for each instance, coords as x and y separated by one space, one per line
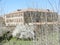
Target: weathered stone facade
31 16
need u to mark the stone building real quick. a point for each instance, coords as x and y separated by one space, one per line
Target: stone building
31 16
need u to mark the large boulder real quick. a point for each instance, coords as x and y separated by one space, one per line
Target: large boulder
24 31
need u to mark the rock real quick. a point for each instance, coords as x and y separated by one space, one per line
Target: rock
24 31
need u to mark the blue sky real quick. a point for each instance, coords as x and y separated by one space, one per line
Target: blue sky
12 5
